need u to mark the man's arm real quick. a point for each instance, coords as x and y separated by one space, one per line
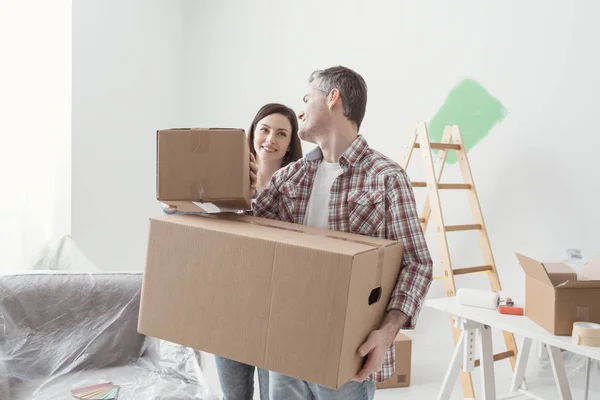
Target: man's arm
266 204
402 224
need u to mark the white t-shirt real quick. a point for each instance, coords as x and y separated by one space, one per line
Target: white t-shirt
317 211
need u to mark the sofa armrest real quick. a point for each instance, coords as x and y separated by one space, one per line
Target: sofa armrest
60 322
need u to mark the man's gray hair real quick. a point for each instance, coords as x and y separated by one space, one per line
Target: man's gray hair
352 87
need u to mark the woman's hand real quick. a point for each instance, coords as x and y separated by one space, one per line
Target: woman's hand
253 174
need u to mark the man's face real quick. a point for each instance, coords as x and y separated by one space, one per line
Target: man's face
315 117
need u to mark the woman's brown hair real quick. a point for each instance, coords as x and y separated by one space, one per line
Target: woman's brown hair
295 151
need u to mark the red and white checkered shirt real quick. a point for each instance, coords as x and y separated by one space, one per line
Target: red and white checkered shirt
373 196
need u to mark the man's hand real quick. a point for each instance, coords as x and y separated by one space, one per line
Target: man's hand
253 174
378 342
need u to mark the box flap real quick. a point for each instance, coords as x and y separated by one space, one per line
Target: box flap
590 270
558 268
287 234
368 240
534 269
580 285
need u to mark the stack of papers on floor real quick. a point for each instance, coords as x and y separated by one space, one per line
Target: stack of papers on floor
106 391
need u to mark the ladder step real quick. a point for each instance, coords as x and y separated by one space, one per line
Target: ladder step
498 357
468 270
445 185
454 228
472 270
441 146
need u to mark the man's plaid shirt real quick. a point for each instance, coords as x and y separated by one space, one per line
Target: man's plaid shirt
373 196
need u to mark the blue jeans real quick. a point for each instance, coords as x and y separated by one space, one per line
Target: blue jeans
237 380
283 387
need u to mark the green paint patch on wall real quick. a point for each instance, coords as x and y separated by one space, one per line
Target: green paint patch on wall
473 109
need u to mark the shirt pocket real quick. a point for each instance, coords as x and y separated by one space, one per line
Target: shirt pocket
289 200
366 212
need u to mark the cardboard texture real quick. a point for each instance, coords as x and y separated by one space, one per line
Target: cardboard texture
281 296
560 273
203 169
401 377
555 303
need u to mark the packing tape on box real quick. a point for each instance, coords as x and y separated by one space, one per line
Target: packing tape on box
199 146
197 190
586 334
380 249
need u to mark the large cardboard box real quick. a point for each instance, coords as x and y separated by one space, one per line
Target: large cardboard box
203 169
401 377
555 303
288 298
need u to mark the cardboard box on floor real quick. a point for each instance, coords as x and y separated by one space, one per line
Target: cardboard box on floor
203 169
288 298
401 377
556 303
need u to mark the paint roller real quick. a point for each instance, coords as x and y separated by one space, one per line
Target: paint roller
478 298
487 299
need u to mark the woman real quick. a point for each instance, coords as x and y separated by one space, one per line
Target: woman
273 140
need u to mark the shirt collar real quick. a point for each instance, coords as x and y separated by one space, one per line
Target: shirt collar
350 157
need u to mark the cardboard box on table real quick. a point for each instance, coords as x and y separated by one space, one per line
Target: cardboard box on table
555 298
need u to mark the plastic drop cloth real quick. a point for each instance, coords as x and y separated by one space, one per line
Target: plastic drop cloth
539 370
63 330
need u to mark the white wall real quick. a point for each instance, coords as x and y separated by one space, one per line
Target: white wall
35 127
166 64
127 83
534 172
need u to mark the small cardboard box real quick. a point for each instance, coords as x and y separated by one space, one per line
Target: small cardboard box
203 169
285 297
401 377
554 303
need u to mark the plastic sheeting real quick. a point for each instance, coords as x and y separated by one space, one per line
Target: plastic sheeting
539 370
60 331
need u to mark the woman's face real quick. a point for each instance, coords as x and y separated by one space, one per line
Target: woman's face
272 137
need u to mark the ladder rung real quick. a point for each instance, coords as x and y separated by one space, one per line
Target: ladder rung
444 185
454 228
498 357
468 270
441 146
454 186
472 270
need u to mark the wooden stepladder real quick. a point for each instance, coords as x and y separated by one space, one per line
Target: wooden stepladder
432 211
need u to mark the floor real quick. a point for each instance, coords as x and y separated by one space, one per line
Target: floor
432 349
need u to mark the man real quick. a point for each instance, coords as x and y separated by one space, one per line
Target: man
345 185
